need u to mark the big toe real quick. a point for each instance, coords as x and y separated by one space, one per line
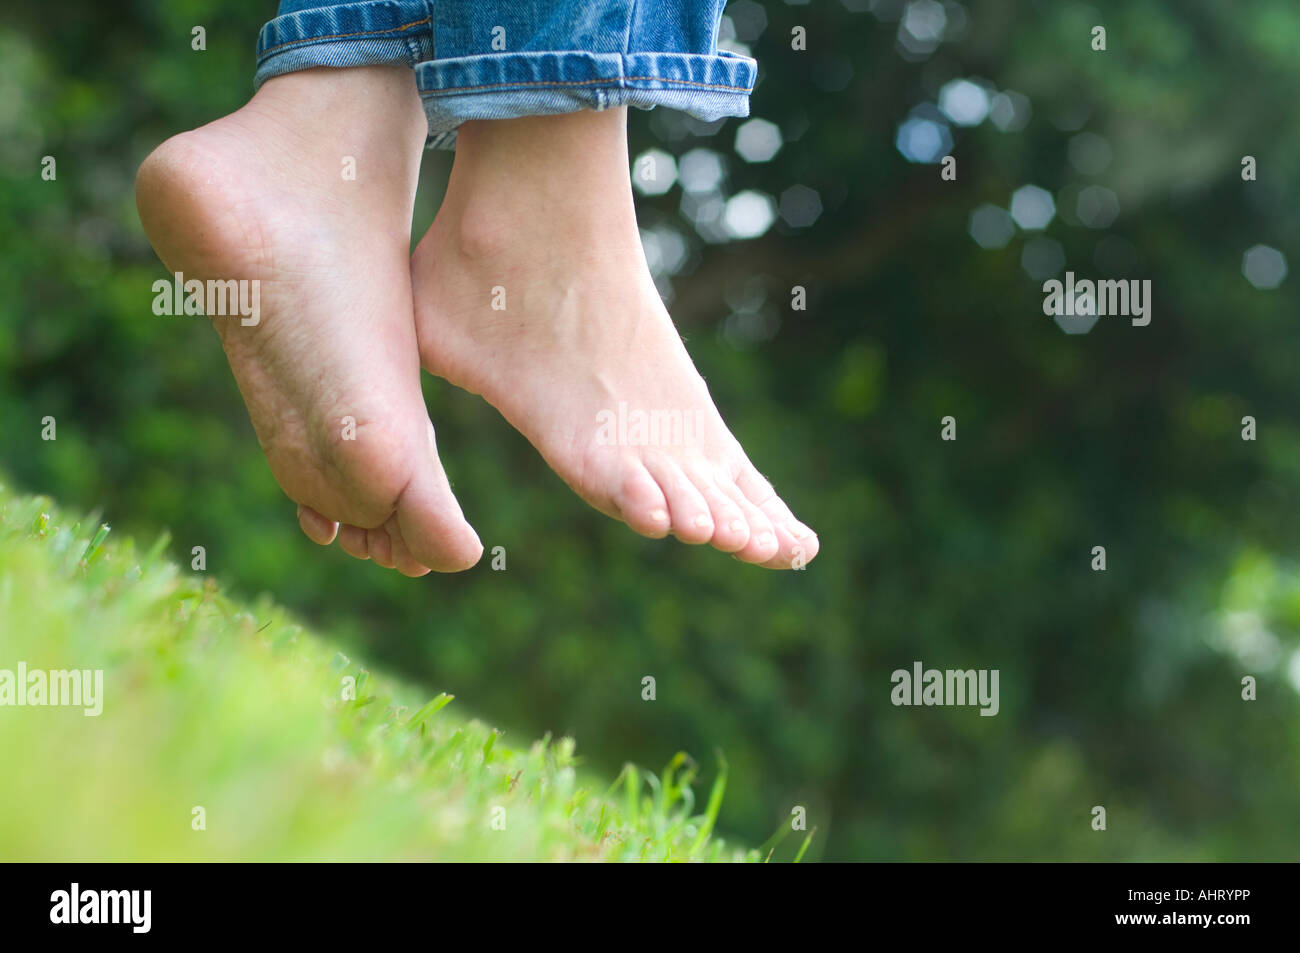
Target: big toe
433 529
640 502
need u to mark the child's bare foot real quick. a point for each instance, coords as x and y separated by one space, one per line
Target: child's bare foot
330 371
531 288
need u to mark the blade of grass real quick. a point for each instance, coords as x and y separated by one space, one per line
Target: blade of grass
437 705
714 806
804 847
632 794
93 546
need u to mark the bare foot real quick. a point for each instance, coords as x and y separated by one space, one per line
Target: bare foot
532 289
329 371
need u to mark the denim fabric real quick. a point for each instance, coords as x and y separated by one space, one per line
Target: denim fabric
378 32
500 59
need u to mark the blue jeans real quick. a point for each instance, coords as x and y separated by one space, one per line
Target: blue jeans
501 59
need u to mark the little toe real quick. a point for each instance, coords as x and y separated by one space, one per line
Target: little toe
798 543
316 527
798 546
692 521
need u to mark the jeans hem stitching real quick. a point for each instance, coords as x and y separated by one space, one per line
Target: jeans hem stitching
343 36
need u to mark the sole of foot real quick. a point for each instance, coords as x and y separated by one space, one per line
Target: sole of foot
306 193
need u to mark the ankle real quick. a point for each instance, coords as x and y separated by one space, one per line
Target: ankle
372 99
564 137
541 183
361 123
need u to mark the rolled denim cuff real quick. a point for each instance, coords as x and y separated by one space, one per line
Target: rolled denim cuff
369 33
510 85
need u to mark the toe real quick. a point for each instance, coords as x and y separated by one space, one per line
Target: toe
762 544
730 528
687 509
381 547
317 528
430 519
406 564
640 502
352 539
798 544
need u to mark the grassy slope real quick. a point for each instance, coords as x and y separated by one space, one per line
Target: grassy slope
239 711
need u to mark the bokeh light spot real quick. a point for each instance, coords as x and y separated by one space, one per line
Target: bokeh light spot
1264 267
1009 111
800 206
923 140
1032 208
964 102
1097 207
749 214
758 140
654 172
701 170
991 227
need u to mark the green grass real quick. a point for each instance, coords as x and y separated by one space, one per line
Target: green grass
235 709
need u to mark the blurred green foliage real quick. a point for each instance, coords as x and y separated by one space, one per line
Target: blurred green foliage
1119 688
